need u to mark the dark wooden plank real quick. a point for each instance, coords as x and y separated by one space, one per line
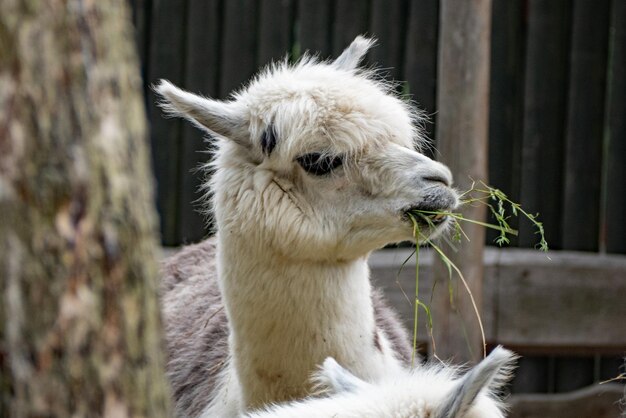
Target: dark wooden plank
201 76
585 125
388 23
314 27
615 218
351 18
166 45
141 12
531 375
275 30
506 100
239 44
420 63
597 401
612 367
572 373
545 92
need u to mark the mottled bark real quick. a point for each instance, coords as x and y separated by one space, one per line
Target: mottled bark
80 331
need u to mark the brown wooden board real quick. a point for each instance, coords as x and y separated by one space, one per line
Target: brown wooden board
201 76
167 40
420 61
538 305
388 24
275 30
239 44
314 27
545 93
506 101
615 218
350 18
568 303
597 401
585 123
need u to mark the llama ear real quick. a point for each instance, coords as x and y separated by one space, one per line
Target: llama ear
490 375
353 54
333 379
214 116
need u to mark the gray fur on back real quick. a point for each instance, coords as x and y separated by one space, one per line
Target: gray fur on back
196 327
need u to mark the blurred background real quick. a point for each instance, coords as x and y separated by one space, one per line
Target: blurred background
557 138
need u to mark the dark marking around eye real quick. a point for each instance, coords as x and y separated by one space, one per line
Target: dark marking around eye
268 140
319 164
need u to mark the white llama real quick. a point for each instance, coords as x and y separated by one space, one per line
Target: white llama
315 168
433 391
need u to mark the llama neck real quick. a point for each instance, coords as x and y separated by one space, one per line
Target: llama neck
286 317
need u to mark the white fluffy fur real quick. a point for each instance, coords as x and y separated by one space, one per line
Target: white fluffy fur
434 391
292 246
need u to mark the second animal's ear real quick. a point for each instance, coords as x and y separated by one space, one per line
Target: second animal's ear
353 54
215 116
489 375
332 378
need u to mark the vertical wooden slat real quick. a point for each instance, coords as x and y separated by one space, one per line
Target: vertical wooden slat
239 44
611 367
201 76
388 24
462 138
141 21
545 93
314 19
573 373
585 122
615 218
532 375
350 19
506 99
166 46
275 30
420 64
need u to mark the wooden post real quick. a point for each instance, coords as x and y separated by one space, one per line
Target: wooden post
462 131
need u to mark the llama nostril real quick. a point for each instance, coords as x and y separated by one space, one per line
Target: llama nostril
437 179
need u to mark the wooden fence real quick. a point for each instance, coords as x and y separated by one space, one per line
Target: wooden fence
557 129
557 106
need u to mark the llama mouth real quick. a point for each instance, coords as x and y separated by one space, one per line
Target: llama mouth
426 216
434 207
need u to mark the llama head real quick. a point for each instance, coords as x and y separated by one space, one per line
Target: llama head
317 160
431 391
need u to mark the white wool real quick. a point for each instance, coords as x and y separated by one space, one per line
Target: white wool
427 392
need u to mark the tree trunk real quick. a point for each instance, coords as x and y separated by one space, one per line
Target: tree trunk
80 329
462 135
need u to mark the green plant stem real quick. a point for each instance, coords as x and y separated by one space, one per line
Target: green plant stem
497 203
416 306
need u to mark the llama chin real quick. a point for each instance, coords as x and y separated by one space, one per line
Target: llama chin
315 166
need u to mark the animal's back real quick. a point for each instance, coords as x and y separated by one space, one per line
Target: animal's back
196 326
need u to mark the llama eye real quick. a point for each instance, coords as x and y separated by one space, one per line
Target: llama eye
319 164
